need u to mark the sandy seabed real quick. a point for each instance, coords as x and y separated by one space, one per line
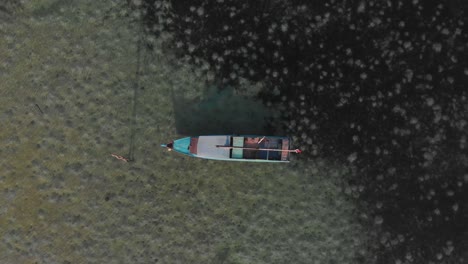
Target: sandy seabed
67 78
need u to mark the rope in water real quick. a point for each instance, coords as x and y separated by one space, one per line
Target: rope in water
136 87
133 117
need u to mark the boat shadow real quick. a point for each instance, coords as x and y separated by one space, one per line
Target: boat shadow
221 112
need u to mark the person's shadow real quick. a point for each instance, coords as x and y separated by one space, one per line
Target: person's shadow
221 112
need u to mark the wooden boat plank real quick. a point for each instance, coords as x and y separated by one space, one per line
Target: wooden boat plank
285 146
193 145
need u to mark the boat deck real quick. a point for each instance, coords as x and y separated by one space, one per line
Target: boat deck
248 148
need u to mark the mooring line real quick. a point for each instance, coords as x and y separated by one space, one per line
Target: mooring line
136 87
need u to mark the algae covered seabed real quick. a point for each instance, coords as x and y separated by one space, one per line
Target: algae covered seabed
67 83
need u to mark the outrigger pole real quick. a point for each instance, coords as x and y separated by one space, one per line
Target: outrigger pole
281 150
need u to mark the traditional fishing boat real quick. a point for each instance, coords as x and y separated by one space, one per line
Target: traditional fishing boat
235 147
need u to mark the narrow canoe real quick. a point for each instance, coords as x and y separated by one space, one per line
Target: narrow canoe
235 147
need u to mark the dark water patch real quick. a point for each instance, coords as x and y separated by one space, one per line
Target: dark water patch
74 168
8 9
50 8
107 197
69 123
73 219
378 85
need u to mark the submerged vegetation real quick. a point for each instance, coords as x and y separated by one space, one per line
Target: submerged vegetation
377 86
68 77
380 85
